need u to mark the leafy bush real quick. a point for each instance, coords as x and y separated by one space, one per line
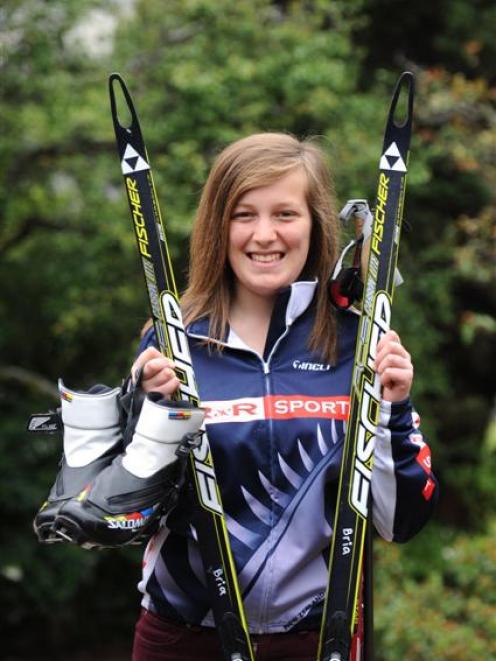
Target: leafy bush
436 598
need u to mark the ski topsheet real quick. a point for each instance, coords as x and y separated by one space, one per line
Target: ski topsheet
341 604
151 238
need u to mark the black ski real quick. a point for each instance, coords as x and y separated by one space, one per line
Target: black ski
163 297
341 604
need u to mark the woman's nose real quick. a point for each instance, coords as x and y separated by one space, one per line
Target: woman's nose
265 230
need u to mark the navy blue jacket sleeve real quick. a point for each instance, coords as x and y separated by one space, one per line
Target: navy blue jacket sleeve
404 488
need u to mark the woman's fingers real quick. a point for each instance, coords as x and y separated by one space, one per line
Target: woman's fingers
158 372
394 365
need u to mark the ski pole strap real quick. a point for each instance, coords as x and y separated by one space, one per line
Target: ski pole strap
346 286
353 209
358 209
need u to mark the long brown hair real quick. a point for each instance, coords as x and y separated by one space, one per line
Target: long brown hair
251 162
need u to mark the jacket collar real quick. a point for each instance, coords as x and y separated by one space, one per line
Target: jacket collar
301 294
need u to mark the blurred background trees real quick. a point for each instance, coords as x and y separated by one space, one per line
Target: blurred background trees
202 73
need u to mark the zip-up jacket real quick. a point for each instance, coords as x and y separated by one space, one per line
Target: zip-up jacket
276 427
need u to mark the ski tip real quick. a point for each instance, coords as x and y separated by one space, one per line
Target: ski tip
117 86
407 75
401 112
115 79
406 81
115 75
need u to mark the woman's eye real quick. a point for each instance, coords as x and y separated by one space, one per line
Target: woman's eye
242 215
287 213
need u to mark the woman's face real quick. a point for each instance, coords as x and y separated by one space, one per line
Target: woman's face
269 236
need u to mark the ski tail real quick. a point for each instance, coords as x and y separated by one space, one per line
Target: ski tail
151 239
341 603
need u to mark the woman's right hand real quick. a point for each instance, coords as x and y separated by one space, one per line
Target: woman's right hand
158 372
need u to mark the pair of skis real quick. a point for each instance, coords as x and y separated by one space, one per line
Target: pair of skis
345 568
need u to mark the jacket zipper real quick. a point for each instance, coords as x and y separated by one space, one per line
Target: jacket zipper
270 425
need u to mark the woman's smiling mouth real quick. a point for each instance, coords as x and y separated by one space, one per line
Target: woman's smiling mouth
266 258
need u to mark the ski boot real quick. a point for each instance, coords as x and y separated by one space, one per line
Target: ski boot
92 439
125 501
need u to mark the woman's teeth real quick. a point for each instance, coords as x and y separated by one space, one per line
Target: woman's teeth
272 257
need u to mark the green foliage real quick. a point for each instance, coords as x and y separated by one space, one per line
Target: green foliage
436 597
202 73
213 73
452 35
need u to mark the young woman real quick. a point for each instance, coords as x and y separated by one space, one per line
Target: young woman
273 360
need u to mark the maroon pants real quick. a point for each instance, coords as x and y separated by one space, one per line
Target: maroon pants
158 639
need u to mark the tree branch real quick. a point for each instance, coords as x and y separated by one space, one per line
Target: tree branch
31 225
31 380
30 160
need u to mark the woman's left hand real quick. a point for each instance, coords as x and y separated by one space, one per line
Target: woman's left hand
394 365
